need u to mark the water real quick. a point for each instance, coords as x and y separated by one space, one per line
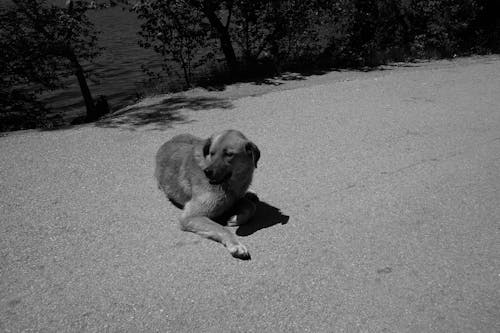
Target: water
118 69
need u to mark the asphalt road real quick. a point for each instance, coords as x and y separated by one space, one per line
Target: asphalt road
381 214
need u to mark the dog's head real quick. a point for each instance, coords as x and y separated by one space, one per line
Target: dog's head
229 154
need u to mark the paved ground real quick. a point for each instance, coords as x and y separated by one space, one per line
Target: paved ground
382 215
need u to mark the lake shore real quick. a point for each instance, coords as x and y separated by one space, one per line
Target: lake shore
163 108
213 97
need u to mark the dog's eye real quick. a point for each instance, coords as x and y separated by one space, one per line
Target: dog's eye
229 154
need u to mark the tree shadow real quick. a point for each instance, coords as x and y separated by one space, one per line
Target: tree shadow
162 113
282 78
271 77
219 83
265 216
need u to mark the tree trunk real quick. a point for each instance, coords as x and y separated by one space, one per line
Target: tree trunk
225 40
187 75
92 113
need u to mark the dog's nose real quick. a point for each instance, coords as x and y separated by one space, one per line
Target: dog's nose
209 173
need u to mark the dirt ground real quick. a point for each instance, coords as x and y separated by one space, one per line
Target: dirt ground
380 211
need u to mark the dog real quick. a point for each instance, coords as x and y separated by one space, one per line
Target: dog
208 179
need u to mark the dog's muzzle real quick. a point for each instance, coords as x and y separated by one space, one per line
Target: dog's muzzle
215 179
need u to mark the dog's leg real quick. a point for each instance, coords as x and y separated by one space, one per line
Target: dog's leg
207 228
243 211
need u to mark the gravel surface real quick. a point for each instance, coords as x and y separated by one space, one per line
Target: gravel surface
382 194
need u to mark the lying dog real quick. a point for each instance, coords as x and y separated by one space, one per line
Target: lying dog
209 180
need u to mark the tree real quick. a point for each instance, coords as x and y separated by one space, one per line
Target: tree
176 32
186 24
214 10
180 29
45 43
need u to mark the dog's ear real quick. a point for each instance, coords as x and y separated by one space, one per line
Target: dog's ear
206 147
251 148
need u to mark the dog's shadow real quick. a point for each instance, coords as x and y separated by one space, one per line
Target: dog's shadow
265 216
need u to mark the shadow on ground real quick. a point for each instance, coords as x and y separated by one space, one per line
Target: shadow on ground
259 79
162 113
166 111
265 216
296 74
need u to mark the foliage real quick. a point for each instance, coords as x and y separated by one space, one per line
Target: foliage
176 32
284 31
14 104
279 34
377 31
244 32
41 45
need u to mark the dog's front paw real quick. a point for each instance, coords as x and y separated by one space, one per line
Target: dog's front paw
240 219
233 221
239 251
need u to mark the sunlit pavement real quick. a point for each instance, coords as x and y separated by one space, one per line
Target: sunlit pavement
382 197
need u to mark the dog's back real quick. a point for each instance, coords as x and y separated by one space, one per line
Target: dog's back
173 160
